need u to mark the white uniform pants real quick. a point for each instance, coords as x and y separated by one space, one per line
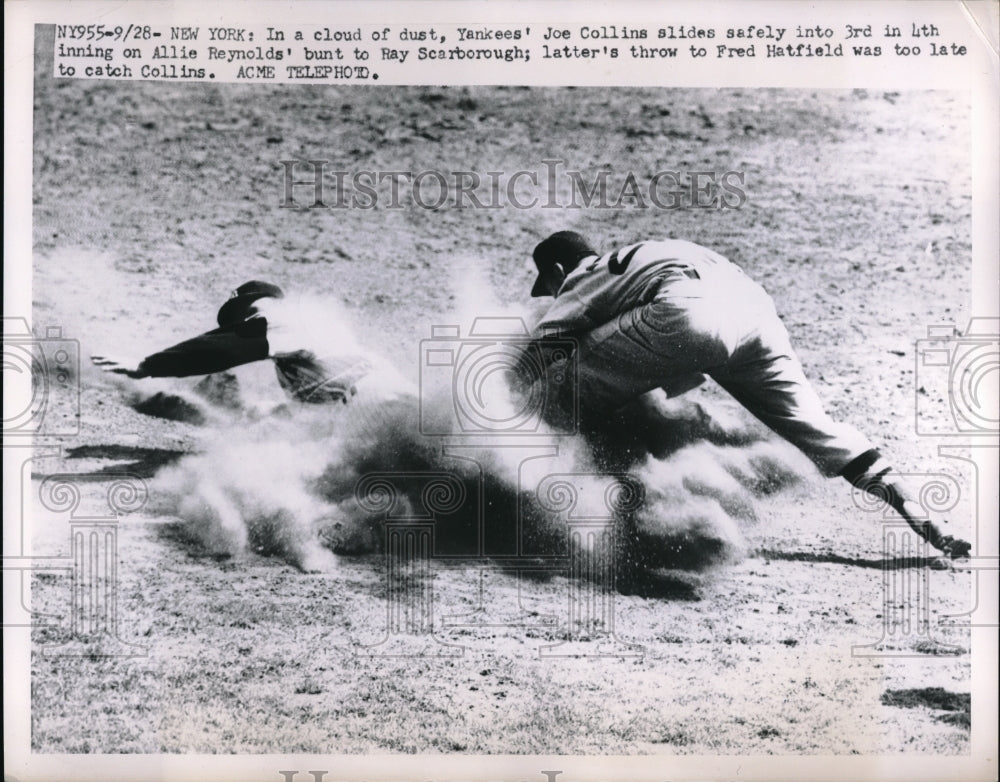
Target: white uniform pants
726 328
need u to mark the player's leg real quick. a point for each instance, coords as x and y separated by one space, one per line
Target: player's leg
766 377
769 382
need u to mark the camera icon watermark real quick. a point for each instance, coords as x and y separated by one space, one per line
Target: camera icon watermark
41 381
958 380
499 381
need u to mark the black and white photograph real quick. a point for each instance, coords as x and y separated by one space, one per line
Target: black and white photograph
470 420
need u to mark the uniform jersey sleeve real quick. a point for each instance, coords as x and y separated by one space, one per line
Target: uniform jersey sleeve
567 315
213 351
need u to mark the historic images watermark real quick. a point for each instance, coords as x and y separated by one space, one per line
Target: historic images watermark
553 184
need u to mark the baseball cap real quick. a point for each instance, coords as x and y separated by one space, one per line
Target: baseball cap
238 307
565 247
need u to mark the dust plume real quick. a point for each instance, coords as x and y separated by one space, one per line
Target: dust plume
311 482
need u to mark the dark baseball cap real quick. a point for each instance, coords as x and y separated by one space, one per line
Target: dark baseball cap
237 309
564 247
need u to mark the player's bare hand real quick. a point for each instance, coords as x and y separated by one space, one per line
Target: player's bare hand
118 366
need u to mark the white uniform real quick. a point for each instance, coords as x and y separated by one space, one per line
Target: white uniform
664 314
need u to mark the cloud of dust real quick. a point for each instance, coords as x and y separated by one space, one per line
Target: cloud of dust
312 481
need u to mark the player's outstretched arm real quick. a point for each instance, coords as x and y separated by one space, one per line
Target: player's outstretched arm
213 351
877 479
119 366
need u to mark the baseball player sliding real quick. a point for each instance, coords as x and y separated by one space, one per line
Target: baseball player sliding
666 314
257 323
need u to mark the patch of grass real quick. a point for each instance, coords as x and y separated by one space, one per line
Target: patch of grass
308 686
932 697
960 719
958 705
677 738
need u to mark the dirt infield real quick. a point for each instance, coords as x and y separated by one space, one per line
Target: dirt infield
153 201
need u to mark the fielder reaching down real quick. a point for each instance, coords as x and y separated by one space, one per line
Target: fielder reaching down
666 314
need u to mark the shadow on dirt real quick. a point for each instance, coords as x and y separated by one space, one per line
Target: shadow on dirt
141 462
630 581
654 585
177 534
673 516
649 584
896 563
170 407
